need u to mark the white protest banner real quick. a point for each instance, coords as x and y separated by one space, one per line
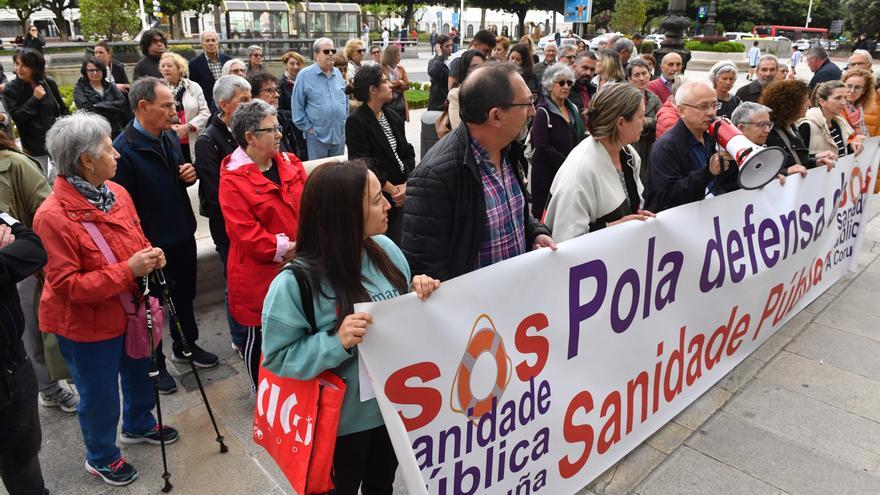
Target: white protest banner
537 374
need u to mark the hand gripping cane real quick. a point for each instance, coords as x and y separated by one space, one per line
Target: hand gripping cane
154 374
187 353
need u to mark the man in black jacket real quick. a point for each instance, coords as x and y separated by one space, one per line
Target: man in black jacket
151 168
824 70
465 205
21 254
438 71
768 66
205 69
215 144
583 90
675 179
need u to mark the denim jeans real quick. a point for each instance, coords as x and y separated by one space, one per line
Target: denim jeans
318 149
98 369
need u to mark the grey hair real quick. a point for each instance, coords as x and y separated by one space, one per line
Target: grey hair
746 111
226 87
73 135
864 53
685 90
624 44
247 118
227 67
251 49
722 67
144 89
205 33
769 56
552 73
318 42
568 47
817 52
550 43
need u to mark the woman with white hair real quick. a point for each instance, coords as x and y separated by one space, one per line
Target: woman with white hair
97 253
598 185
723 76
190 104
234 67
255 59
556 129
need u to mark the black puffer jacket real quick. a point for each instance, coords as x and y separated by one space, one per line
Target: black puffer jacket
445 210
33 117
109 103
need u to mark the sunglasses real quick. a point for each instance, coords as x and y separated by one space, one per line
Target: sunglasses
362 50
565 82
329 51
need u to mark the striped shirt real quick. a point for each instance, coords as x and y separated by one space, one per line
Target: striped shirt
386 128
834 129
504 231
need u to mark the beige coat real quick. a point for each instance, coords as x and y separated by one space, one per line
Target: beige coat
820 135
195 107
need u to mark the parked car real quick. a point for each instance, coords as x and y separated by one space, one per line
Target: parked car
829 44
594 43
657 39
552 37
738 35
802 44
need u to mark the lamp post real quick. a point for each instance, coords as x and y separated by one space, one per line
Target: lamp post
673 26
709 28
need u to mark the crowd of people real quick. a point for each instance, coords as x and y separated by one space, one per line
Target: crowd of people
533 151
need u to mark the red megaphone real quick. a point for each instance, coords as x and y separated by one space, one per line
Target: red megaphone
758 165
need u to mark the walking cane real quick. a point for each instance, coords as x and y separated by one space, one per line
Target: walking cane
175 326
154 374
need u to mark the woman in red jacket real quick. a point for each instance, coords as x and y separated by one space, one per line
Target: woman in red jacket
81 297
260 189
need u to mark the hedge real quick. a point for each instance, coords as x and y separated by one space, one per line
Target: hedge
722 47
416 98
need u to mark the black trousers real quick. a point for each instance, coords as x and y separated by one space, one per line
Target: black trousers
20 433
180 272
364 460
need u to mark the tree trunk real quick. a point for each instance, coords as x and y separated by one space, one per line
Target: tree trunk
521 15
61 22
177 26
408 13
482 18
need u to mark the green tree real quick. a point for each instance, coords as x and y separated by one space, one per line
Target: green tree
518 7
58 7
23 10
863 17
108 20
173 8
628 16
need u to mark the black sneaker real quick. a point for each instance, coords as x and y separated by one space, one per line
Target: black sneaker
200 357
151 436
167 385
119 473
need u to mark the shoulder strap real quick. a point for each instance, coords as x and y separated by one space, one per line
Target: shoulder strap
782 134
305 292
125 298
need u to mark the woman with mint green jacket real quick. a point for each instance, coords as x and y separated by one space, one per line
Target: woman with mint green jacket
340 247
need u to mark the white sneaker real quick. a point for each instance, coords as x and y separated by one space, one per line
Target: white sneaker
64 398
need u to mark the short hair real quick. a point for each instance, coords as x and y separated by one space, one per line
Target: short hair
502 41
33 60
860 52
636 63
485 37
559 69
669 55
746 111
292 54
647 57
205 33
584 54
443 38
147 39
614 101
816 52
624 44
253 48
227 67
73 135
391 53
257 79
824 91
318 42
489 87
178 60
722 67
768 56
686 90
247 118
868 96
103 44
785 100
465 62
143 89
227 86
368 76
351 46
340 61
755 43
550 44
91 59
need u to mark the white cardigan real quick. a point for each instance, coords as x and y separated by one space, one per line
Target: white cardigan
586 188
820 135
196 110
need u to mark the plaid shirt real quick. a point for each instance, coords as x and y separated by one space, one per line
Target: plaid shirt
504 232
216 67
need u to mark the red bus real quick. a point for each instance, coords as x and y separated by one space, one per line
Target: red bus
793 33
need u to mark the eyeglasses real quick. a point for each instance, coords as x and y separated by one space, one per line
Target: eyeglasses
329 51
565 82
854 87
258 55
705 107
271 90
568 57
376 52
362 50
237 72
766 124
275 128
531 102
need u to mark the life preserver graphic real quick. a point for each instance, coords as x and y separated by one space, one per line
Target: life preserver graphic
484 339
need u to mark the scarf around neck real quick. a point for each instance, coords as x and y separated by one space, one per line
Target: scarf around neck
100 197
